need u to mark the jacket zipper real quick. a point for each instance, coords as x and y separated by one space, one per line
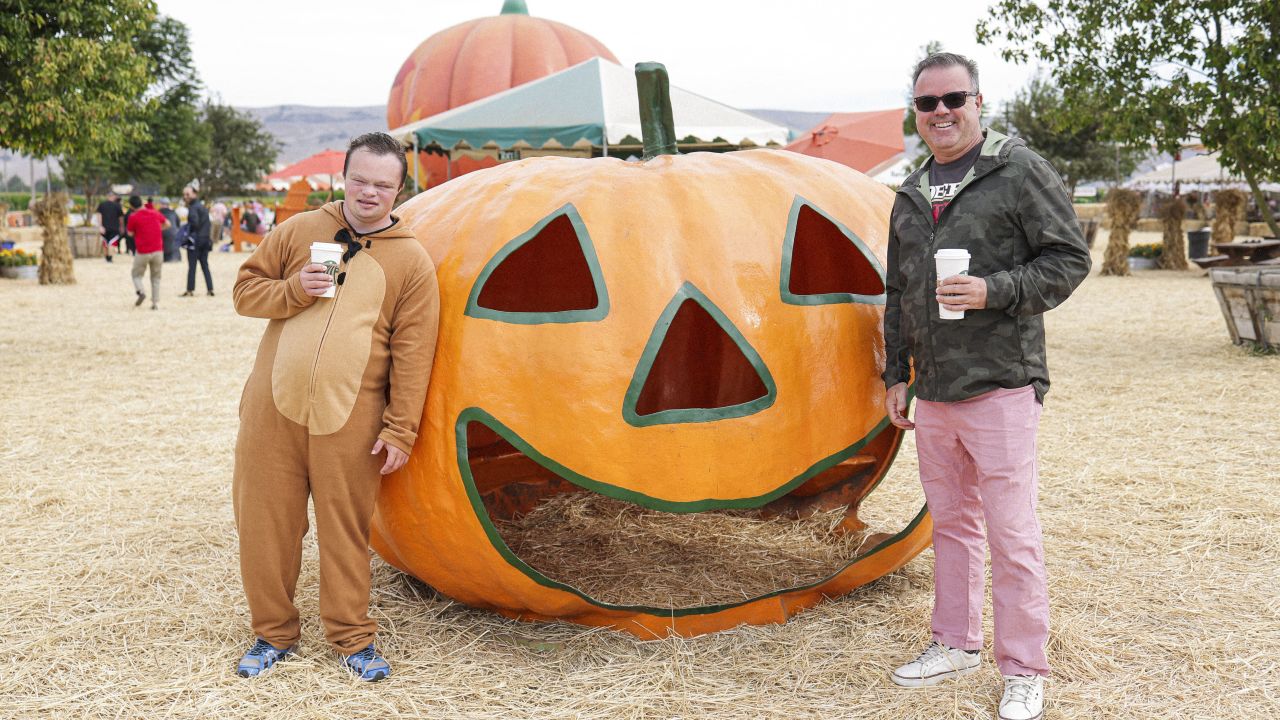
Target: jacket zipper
936 225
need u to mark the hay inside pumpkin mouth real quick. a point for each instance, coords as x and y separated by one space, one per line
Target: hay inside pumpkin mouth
616 547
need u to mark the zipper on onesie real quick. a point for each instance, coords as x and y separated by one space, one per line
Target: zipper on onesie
315 363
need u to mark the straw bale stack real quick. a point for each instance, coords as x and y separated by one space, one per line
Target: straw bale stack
56 266
1123 206
1174 255
1229 210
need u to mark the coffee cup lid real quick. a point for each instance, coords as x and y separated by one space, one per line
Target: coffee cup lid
329 247
953 254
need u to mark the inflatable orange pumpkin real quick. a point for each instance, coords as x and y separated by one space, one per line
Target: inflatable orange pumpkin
688 333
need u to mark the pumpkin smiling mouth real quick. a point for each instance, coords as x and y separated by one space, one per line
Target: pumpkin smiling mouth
508 481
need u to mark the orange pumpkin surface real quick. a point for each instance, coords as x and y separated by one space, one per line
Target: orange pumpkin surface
688 333
481 57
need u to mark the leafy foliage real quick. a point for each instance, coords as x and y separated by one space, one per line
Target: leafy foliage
1164 70
69 73
1072 141
241 150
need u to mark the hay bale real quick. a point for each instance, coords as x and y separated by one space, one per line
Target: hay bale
1123 206
625 554
1229 210
1174 256
56 266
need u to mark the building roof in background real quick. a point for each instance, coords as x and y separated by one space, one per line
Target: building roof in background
868 142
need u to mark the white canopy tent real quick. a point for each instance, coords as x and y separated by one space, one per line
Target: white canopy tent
1202 172
595 101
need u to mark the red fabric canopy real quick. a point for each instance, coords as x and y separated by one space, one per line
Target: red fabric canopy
868 142
325 162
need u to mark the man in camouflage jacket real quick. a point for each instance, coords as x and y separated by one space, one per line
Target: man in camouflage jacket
980 381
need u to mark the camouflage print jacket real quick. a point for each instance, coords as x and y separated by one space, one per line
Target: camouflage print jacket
1013 215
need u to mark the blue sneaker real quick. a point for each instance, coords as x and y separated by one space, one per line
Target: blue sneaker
260 658
368 665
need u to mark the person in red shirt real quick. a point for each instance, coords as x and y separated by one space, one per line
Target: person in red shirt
147 225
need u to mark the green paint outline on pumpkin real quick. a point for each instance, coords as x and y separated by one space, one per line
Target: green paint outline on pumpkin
599 312
688 291
475 414
788 248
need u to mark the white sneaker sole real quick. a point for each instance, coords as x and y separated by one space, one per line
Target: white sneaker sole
1034 717
910 682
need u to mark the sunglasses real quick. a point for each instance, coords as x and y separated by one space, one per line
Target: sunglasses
953 100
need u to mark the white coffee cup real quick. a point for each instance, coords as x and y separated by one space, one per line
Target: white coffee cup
330 256
951 262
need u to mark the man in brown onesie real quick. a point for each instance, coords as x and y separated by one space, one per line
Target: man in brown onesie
337 382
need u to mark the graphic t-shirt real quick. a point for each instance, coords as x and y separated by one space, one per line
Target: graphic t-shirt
945 179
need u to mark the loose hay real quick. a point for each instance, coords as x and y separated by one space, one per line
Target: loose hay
624 554
122 594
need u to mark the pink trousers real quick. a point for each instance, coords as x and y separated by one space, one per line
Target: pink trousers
978 462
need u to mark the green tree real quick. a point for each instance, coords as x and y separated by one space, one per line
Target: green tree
175 142
241 150
1165 70
69 72
15 184
1072 141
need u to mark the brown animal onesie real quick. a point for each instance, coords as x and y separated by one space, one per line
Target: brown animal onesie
332 376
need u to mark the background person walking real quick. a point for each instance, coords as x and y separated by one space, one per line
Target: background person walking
147 226
201 243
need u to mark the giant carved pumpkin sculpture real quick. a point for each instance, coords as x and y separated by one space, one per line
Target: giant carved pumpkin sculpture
690 333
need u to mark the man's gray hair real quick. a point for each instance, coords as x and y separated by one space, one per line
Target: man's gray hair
946 59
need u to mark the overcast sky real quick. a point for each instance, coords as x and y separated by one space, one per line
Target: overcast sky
795 54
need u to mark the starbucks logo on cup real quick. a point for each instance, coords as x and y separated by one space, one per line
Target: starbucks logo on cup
331 269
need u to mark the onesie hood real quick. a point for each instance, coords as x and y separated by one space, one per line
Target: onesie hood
396 230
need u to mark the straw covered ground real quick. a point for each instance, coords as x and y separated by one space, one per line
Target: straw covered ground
122 593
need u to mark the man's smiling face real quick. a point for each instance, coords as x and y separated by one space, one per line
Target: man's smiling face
948 133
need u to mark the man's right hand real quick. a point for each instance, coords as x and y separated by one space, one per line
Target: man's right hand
895 404
315 281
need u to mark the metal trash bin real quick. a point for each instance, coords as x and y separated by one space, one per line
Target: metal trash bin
1198 243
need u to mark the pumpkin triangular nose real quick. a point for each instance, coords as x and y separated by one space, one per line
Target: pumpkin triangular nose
696 367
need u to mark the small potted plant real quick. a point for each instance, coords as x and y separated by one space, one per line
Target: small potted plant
19 264
1145 256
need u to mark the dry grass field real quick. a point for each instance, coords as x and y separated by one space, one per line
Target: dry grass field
1159 500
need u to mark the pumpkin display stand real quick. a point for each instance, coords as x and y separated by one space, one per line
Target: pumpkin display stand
656 403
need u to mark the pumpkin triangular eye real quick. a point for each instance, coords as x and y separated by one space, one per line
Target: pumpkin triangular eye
824 262
696 367
548 274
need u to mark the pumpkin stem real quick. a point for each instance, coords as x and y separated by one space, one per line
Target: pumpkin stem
514 7
656 124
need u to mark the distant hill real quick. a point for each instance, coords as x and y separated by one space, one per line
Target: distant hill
305 130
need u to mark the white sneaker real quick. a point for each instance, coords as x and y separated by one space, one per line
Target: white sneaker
1023 698
936 664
